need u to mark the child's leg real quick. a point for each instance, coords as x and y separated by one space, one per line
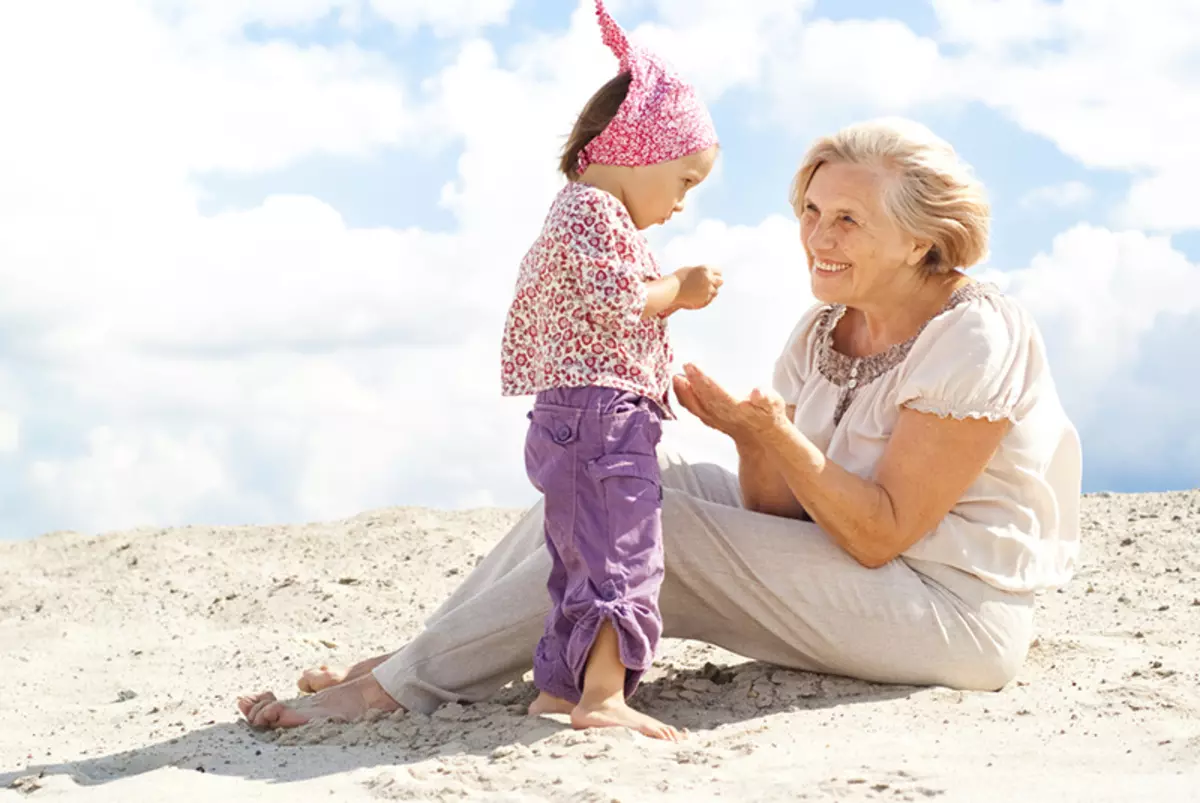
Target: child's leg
550 464
612 596
550 675
603 703
592 454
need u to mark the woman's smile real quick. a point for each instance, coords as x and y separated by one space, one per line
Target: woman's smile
826 267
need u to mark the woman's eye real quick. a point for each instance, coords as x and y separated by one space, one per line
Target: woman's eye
810 208
848 219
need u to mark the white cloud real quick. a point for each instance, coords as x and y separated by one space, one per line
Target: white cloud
209 17
858 67
133 478
1113 85
995 26
306 368
720 45
10 432
1058 196
277 363
445 17
1109 288
1164 202
1101 298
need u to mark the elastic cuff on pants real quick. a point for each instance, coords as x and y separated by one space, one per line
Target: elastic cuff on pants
635 648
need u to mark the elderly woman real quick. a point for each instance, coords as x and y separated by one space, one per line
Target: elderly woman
902 493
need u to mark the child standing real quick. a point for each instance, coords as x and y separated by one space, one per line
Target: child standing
587 334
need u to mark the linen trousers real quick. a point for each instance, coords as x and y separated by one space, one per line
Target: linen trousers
766 587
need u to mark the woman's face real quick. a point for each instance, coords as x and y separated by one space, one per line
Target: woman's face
856 252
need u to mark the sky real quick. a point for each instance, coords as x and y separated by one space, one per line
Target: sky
255 255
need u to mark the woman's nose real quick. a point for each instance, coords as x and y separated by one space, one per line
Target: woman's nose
678 207
819 238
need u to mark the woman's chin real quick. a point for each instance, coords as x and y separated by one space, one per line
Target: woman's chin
828 288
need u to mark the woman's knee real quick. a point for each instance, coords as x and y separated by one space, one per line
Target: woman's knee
993 665
707 481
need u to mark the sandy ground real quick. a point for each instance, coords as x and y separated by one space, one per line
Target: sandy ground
122 655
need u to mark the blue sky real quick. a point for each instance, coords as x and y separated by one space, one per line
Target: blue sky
254 270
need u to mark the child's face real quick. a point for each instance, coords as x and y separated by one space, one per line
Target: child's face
654 193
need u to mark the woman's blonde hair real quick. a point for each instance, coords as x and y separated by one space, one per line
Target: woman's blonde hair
935 196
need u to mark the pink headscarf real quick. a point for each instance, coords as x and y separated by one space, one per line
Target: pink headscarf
661 118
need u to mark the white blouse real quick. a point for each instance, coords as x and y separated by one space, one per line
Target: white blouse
1017 526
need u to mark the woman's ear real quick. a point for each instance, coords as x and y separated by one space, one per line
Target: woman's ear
920 249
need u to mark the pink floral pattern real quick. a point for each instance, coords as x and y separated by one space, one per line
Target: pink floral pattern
576 318
661 118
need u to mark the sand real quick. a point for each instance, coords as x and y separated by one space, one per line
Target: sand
123 653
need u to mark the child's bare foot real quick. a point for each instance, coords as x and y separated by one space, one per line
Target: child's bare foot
616 713
315 680
549 704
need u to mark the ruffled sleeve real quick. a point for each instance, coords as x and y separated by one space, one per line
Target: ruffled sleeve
976 360
796 361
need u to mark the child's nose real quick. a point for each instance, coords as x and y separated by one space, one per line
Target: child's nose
678 206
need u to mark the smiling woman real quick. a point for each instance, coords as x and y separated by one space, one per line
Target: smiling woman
902 493
892 185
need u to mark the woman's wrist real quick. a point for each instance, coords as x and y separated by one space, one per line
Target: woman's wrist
746 441
770 434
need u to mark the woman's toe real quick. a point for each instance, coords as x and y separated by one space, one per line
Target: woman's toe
247 703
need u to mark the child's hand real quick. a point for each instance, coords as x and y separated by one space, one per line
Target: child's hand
698 286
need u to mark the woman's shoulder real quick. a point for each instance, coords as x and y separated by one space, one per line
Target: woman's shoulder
982 352
979 313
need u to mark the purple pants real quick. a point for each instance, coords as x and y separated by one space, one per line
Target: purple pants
591 451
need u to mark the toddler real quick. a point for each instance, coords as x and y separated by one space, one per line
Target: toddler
587 335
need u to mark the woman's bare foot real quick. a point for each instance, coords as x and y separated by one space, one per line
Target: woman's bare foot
319 679
616 713
323 677
549 704
346 702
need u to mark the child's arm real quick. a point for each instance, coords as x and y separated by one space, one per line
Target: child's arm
661 295
686 288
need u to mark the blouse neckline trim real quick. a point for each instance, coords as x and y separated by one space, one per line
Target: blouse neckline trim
852 373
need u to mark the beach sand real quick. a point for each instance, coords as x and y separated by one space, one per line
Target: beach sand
123 655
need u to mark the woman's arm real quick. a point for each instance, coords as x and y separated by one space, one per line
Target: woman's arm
927 465
764 489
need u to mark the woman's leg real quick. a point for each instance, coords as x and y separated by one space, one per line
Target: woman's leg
516 547
768 588
781 591
481 638
324 676
484 635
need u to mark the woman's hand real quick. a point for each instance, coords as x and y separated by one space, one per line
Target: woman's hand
759 413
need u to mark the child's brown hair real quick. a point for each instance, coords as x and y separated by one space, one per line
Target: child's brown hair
595 117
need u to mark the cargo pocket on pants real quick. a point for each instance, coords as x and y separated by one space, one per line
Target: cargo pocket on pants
550 462
632 491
